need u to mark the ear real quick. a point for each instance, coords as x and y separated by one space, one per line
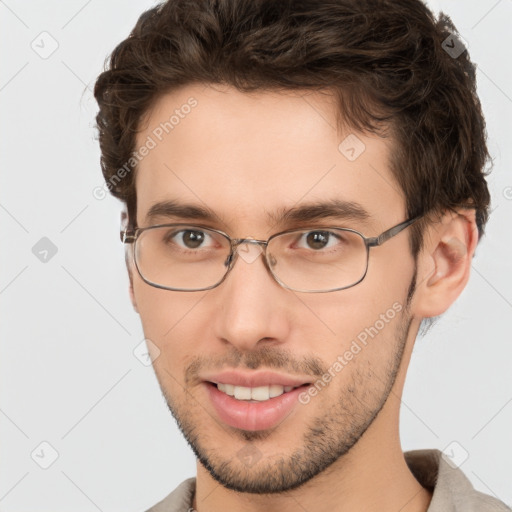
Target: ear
129 268
128 258
444 263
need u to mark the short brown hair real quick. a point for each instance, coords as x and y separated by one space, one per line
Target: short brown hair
385 60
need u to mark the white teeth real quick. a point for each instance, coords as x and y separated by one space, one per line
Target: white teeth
275 390
260 393
242 393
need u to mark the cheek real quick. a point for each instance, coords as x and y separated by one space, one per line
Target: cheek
169 319
347 313
356 321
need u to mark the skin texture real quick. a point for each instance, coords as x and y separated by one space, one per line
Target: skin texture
243 155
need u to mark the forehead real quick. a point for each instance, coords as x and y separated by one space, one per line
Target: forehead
246 155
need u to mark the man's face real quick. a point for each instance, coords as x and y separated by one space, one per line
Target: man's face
243 157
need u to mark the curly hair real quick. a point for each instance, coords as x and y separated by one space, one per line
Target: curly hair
386 61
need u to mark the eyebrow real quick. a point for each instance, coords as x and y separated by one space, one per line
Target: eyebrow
306 212
334 208
180 210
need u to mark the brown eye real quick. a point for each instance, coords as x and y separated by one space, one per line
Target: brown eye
192 239
188 239
317 239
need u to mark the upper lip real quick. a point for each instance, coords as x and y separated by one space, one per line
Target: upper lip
254 379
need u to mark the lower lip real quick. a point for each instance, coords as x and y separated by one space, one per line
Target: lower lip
253 416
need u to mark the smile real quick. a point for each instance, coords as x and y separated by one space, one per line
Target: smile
258 394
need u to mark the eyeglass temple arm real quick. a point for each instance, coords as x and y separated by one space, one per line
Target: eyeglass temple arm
127 236
390 233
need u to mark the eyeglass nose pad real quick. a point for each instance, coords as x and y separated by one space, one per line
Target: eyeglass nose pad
249 251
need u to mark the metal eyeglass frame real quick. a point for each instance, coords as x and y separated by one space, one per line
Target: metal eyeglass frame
130 236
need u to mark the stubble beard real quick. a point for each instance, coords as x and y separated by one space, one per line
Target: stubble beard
326 439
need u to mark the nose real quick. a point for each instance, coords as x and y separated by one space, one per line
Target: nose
252 306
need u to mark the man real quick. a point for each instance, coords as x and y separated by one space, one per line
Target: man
304 186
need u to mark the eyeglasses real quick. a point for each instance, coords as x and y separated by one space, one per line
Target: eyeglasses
189 257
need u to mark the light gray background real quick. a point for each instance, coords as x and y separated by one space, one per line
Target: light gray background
69 376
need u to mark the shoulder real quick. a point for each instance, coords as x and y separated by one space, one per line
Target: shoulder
451 489
180 500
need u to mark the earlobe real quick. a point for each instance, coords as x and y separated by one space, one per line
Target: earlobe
445 262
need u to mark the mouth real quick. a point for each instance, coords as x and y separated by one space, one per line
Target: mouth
254 408
254 394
